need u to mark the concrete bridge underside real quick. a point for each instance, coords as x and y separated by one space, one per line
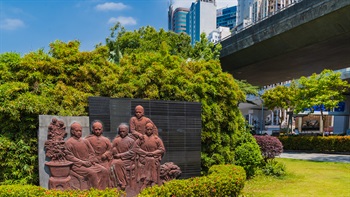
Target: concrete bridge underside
303 39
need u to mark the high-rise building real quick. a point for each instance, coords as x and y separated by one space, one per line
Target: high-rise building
201 18
226 17
252 11
177 19
243 13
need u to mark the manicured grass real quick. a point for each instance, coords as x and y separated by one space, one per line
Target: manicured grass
303 179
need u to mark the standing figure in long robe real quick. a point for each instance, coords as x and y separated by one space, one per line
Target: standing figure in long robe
150 150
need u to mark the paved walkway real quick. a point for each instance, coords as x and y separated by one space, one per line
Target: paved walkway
316 156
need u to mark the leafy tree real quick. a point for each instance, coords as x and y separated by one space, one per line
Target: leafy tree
281 98
247 88
164 65
146 39
56 83
205 50
149 65
324 90
153 75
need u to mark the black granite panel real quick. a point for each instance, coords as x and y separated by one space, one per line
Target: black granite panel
99 110
99 105
178 123
159 108
193 109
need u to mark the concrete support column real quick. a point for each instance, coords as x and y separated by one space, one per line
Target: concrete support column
272 118
251 14
300 123
249 119
275 10
332 121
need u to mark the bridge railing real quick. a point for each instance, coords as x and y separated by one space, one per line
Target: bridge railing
345 75
234 32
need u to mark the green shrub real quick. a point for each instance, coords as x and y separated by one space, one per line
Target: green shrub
316 143
21 191
222 180
248 156
36 191
274 168
18 161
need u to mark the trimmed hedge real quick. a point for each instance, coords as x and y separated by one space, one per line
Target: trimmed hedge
222 180
36 191
316 143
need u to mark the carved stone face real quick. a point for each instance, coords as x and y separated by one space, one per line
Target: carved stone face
97 128
139 111
123 131
149 129
76 130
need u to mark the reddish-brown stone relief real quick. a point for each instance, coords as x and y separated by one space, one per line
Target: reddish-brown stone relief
55 149
86 171
138 123
131 162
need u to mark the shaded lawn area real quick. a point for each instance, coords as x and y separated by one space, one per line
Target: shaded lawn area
304 179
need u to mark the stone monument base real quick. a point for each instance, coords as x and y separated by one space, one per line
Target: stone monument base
59 183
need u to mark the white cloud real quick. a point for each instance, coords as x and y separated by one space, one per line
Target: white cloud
11 24
123 20
219 3
110 6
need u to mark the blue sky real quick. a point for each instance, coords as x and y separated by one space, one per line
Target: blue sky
29 25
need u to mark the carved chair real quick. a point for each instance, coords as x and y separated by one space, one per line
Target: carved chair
78 182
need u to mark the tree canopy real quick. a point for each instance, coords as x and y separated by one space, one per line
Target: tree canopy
145 64
54 83
280 98
147 39
58 82
324 91
163 65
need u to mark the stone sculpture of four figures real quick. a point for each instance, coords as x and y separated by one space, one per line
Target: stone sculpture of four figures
131 162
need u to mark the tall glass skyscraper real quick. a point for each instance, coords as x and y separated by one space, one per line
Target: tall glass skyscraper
177 19
226 17
201 19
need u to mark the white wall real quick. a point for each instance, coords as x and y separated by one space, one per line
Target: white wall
207 18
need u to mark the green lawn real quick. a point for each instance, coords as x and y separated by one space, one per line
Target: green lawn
303 179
